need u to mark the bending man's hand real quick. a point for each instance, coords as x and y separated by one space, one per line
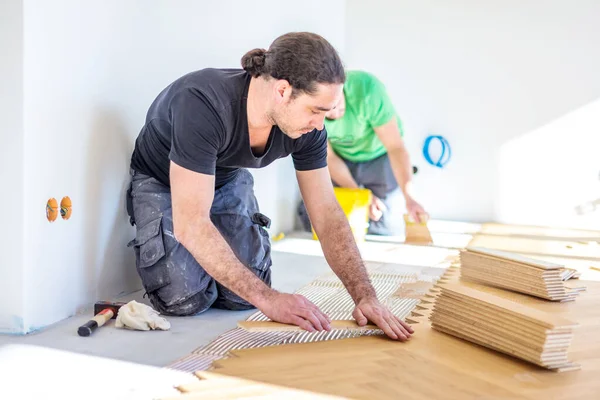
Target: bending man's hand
378 314
297 310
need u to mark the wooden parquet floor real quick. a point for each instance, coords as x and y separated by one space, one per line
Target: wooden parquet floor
432 365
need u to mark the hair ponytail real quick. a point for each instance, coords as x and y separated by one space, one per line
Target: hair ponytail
254 62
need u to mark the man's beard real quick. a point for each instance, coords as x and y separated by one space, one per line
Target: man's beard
280 121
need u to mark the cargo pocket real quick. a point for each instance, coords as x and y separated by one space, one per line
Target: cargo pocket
150 257
260 222
263 222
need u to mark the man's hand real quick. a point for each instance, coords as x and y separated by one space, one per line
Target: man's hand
415 210
297 310
376 209
374 311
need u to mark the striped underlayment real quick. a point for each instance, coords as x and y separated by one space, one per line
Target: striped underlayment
399 287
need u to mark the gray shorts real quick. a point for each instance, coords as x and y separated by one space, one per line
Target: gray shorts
172 278
376 175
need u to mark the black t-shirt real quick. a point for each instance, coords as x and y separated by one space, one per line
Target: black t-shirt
200 123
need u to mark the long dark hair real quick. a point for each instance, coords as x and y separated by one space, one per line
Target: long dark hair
301 58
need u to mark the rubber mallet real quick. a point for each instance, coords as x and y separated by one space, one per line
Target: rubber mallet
103 311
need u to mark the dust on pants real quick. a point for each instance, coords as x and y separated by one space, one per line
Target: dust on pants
174 281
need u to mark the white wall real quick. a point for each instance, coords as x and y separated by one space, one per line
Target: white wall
551 175
91 71
79 85
480 74
11 166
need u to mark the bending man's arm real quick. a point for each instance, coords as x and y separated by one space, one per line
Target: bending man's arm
401 165
341 252
192 196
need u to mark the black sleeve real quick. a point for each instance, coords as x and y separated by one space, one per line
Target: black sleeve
311 151
197 132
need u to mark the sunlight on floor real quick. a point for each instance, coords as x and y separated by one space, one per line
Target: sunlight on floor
35 372
371 251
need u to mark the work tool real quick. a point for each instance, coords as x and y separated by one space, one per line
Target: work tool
103 311
417 232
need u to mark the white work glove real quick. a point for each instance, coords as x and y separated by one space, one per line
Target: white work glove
134 315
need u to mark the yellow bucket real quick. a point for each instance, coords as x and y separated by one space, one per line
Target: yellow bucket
355 204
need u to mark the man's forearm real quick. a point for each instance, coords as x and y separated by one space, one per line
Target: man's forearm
341 253
212 252
402 169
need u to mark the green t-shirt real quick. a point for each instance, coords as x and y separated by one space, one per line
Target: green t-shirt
368 106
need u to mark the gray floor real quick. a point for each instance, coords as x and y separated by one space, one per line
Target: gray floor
158 348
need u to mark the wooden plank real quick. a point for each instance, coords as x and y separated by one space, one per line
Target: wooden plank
504 326
416 232
517 310
516 278
518 258
492 318
485 261
508 350
269 326
489 267
547 293
506 337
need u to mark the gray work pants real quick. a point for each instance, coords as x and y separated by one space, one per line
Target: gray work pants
172 278
375 175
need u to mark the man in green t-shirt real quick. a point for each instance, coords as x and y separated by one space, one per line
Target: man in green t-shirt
365 148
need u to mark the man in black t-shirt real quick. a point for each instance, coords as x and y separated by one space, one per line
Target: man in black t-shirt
200 238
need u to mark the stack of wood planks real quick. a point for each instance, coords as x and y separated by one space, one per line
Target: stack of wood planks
503 325
520 274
